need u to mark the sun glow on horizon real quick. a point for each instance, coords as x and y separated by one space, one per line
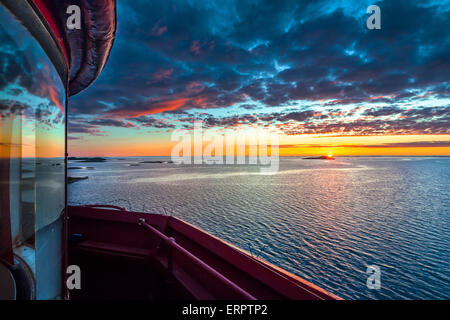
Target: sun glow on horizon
161 145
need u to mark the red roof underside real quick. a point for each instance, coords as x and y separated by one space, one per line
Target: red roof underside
86 50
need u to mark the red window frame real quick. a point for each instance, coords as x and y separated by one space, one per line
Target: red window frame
6 251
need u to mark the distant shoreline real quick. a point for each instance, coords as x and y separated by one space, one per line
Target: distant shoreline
71 158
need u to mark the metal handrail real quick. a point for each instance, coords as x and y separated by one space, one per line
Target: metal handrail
173 244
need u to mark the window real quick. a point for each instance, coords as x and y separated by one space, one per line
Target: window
32 156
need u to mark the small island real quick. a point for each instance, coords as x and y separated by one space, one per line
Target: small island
156 161
75 179
87 159
328 157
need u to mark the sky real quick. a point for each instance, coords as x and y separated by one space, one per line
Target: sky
32 96
310 71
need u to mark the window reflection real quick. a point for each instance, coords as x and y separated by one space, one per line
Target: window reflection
32 148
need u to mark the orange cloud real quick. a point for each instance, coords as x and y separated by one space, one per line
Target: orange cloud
153 108
54 97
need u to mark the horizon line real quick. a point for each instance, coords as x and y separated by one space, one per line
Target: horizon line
280 156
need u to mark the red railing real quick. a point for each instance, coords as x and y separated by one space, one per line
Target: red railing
173 245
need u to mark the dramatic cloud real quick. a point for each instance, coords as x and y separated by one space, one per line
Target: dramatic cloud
417 144
283 63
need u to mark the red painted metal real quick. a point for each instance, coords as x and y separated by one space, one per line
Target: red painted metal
283 281
6 253
43 7
202 265
175 246
87 49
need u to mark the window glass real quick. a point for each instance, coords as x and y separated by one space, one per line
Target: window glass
32 150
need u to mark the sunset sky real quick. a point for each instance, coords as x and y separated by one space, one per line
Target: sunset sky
308 70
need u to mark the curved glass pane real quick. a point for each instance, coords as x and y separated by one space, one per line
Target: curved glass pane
32 149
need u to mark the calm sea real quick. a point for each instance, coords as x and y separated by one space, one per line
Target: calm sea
325 221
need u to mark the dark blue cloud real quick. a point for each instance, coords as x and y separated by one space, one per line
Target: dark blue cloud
172 56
